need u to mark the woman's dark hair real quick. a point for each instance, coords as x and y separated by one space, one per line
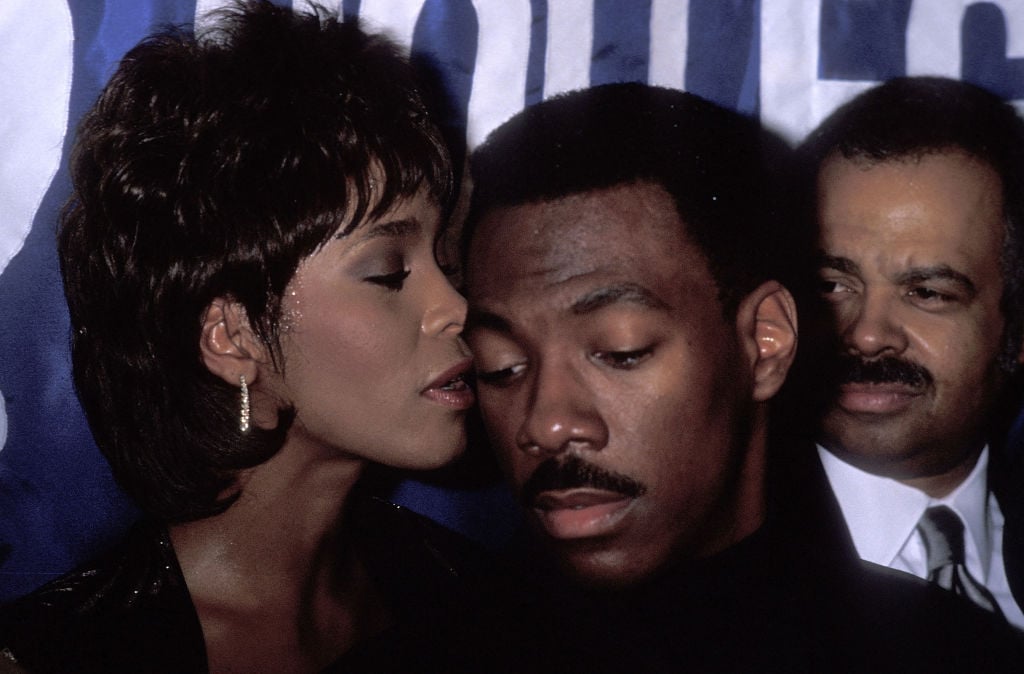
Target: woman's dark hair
210 166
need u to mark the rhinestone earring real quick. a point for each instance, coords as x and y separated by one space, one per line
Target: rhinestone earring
243 416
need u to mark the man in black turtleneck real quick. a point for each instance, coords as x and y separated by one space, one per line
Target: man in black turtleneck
629 326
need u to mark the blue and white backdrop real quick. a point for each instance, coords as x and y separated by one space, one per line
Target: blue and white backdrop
788 61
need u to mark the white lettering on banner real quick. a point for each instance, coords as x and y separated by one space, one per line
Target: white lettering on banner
933 35
793 99
396 18
570 42
503 52
309 5
204 7
669 40
35 78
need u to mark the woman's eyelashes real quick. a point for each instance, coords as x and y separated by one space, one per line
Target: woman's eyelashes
392 281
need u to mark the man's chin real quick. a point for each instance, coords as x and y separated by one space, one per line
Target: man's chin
882 448
870 434
590 565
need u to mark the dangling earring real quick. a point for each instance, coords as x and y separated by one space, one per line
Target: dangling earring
243 417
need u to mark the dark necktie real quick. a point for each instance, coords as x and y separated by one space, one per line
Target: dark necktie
943 534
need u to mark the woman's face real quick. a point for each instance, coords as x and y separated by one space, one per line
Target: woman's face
370 338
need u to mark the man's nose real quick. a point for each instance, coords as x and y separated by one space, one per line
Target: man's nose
873 328
562 413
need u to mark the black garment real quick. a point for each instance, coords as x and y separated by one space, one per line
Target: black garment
1006 481
130 610
767 604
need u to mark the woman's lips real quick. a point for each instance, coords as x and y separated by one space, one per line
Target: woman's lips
863 398
450 387
581 513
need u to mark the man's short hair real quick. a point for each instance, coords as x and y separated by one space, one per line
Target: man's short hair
910 117
211 165
721 169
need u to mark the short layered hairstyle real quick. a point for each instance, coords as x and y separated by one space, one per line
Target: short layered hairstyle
212 164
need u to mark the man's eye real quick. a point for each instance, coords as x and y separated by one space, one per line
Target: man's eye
392 281
623 360
930 295
499 376
831 287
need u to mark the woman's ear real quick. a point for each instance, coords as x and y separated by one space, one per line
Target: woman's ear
229 347
767 326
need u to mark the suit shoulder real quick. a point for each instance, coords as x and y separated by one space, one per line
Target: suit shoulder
922 627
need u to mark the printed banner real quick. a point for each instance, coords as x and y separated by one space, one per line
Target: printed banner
790 62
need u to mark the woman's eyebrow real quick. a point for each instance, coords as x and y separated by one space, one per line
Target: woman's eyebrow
387 229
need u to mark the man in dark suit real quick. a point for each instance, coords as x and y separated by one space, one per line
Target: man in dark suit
917 199
623 250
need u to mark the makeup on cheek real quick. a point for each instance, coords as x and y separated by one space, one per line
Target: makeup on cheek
291 309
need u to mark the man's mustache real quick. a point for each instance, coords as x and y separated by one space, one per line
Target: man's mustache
573 472
854 370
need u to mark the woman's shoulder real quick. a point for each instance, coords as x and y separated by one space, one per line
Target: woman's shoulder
129 605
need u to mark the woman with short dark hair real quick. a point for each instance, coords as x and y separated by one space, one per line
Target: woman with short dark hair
258 315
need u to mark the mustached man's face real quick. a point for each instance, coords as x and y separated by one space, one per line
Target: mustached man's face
911 269
610 382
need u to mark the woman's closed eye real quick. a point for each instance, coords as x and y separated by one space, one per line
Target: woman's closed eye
392 281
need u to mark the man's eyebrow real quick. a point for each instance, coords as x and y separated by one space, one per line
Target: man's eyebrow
386 228
840 264
941 272
630 293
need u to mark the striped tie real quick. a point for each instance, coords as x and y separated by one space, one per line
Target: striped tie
943 534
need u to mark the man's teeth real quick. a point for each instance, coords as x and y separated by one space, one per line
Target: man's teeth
456 384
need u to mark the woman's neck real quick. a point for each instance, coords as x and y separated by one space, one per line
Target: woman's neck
274 577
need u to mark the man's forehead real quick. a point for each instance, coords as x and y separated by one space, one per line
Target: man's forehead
573 301
943 195
638 216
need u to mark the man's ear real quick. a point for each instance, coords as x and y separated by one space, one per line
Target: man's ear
767 325
228 345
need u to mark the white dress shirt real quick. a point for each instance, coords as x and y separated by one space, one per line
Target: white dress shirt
882 516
